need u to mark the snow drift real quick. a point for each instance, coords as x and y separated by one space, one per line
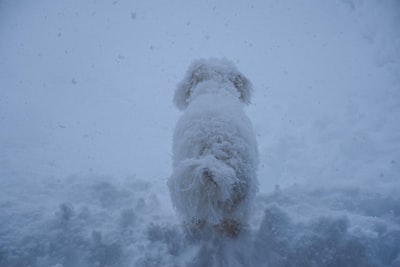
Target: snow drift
89 221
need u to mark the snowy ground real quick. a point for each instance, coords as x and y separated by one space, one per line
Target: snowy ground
86 120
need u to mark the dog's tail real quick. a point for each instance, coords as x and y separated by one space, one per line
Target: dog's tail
204 188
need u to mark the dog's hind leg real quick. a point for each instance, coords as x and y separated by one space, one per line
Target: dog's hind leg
228 227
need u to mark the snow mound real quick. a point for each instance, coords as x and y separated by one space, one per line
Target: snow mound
99 221
337 227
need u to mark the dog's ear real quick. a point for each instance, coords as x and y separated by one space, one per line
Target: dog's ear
182 94
243 85
194 75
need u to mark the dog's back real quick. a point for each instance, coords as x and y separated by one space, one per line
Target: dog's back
215 157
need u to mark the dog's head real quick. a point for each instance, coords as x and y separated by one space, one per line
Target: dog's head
218 70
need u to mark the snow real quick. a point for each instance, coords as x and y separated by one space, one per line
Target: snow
87 118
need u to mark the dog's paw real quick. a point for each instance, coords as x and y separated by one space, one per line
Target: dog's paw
228 227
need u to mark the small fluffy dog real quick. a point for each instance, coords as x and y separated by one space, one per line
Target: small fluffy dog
214 149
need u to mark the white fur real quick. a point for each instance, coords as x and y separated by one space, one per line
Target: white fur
214 148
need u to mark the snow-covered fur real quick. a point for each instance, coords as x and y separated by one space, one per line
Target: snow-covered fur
214 148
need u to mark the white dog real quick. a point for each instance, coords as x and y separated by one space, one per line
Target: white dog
214 149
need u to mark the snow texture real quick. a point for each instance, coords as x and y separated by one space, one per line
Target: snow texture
214 148
87 122
88 221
